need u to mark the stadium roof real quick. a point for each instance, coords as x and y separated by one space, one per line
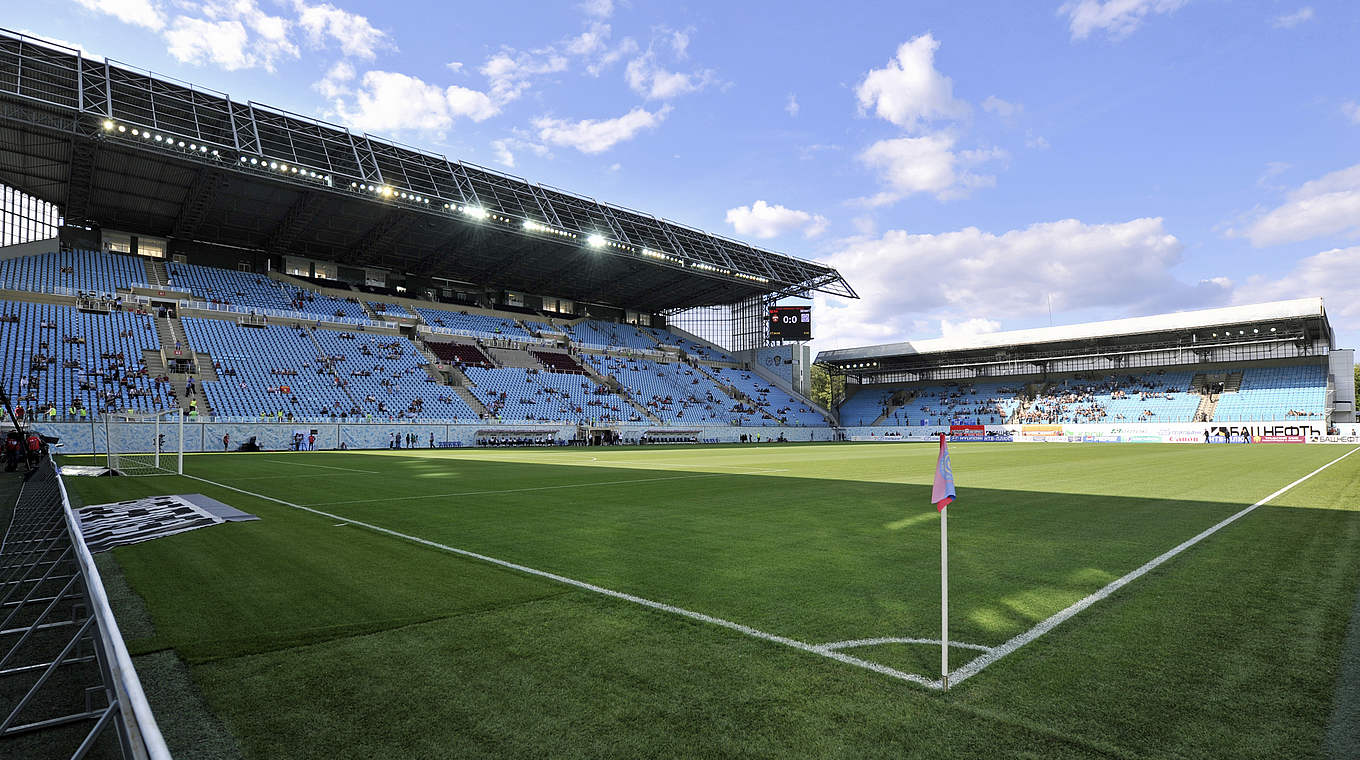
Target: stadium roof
125 149
1091 332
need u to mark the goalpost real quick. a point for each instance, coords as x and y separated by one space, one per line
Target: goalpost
133 449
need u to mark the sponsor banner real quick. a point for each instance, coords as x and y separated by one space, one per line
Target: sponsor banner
1335 439
1279 439
1000 437
1269 429
1146 439
963 431
1041 431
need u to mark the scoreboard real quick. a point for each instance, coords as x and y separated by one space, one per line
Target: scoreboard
791 323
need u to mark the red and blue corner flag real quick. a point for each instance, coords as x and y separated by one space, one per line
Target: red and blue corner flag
943 492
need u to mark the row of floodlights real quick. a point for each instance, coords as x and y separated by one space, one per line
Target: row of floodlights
595 240
862 365
283 167
170 142
1228 333
390 192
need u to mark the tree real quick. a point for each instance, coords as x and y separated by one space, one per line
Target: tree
825 386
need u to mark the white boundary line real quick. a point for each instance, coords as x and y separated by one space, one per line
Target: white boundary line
323 466
699 616
974 667
533 488
896 640
829 650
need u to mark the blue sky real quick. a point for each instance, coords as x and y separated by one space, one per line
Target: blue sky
964 164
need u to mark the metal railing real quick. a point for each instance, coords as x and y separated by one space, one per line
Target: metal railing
298 316
61 654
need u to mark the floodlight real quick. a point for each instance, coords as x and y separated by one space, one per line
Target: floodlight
595 241
108 124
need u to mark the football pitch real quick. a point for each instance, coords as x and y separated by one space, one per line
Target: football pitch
765 601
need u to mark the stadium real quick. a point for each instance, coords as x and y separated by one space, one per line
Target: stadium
328 446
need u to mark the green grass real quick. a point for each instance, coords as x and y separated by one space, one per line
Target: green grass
316 639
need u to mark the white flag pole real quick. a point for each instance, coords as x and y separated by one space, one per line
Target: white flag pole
944 597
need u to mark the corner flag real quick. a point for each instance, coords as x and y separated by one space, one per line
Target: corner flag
943 494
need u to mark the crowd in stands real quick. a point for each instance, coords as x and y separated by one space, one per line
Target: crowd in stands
675 392
61 363
1165 395
773 400
513 394
67 363
1160 396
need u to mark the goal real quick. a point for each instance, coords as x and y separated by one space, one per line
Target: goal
145 444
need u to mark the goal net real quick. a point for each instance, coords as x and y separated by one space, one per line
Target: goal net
145 444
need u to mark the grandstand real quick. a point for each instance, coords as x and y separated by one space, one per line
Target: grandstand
556 308
1257 363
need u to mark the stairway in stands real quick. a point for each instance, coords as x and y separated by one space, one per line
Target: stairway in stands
171 334
1205 411
432 362
619 391
156 273
898 400
735 392
511 357
461 383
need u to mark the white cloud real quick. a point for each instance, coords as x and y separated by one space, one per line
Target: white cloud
967 327
1329 205
388 101
791 106
1117 18
352 32
454 66
234 34
506 146
336 82
653 82
970 275
1291 20
592 40
1334 275
473 104
762 220
598 8
194 40
593 45
598 135
1037 142
510 72
927 164
1000 107
909 91
680 43
138 12
1352 111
